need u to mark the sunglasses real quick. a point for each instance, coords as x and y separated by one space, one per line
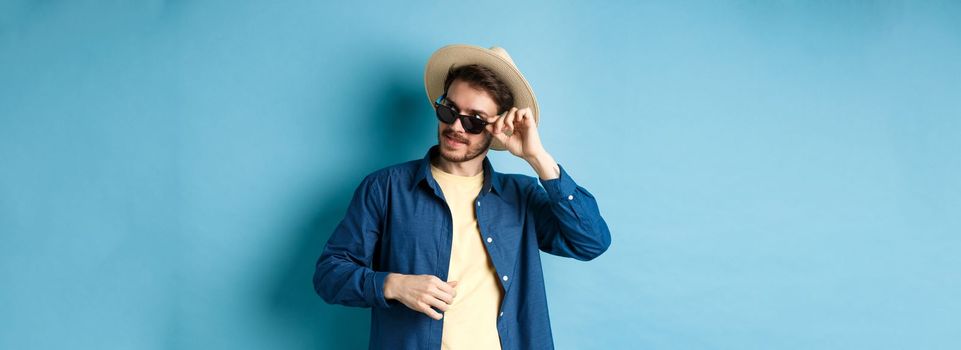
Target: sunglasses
447 114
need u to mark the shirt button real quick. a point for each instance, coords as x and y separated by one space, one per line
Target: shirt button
505 277
502 314
478 203
489 239
570 198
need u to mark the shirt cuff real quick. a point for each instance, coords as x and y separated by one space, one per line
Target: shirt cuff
560 189
376 292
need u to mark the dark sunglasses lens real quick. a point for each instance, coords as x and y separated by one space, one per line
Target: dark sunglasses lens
472 125
445 114
448 116
468 124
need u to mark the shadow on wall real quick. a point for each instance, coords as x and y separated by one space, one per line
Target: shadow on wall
292 299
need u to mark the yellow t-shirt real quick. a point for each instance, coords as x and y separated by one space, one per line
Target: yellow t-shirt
471 320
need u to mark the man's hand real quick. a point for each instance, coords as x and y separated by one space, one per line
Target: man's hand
420 292
518 132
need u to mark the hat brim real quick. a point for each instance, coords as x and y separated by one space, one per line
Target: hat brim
459 55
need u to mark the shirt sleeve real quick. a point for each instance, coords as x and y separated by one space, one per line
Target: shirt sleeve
344 272
567 219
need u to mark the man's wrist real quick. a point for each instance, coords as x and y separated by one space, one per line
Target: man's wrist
544 165
388 284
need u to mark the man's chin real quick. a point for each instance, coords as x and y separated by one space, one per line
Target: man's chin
455 156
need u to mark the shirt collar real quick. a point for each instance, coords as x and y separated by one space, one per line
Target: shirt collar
491 178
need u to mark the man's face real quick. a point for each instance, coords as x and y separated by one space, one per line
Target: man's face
456 144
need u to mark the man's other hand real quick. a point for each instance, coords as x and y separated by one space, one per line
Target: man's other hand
421 292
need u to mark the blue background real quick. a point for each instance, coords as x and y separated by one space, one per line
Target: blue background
776 174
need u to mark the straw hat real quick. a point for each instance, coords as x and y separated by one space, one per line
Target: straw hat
496 59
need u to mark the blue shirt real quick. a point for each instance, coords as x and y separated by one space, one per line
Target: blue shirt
398 221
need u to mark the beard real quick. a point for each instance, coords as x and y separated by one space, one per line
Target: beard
473 150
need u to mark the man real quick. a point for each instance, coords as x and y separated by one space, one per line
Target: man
444 249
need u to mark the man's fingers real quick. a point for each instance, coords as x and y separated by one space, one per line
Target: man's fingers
525 118
509 120
437 288
443 296
432 293
446 287
438 304
423 307
453 290
496 131
499 124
